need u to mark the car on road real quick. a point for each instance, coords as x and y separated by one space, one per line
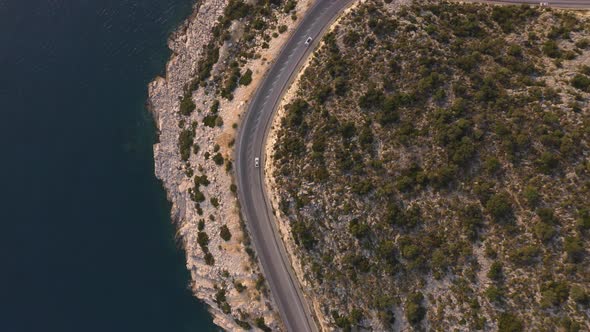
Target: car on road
256 162
308 41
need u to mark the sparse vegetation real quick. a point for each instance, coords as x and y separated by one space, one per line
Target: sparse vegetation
435 148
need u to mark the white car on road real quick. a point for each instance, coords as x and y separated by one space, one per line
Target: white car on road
256 162
308 41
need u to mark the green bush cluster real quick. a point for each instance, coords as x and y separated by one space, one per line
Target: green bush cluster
187 106
201 180
500 206
260 323
554 293
246 78
221 300
581 82
415 312
231 82
218 159
185 142
303 235
508 322
243 324
203 241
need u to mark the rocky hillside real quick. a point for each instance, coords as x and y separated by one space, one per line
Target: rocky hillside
433 166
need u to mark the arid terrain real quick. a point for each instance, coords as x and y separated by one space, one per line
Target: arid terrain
431 168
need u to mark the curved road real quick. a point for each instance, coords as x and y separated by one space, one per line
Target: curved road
256 207
250 144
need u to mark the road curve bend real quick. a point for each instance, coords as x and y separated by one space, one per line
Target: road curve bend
255 206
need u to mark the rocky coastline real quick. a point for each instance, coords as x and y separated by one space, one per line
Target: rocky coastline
224 270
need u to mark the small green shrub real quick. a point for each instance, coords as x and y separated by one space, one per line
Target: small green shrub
239 286
581 82
415 312
495 272
554 293
243 324
214 201
214 109
494 294
260 282
358 229
544 231
532 196
289 6
218 159
246 78
187 106
574 248
219 121
209 260
583 221
303 235
551 49
185 141
210 120
547 162
225 233
261 324
526 255
201 180
237 9
500 206
508 322
579 295
583 43
202 239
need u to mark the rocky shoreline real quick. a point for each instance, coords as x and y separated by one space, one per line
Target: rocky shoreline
230 279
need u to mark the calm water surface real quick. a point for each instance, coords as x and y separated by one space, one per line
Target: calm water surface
86 243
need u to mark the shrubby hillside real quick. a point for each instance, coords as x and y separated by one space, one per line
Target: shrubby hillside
434 168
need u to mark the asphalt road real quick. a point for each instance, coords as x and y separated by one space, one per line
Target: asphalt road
253 198
256 207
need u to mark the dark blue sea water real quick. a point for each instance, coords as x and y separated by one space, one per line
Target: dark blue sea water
86 242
